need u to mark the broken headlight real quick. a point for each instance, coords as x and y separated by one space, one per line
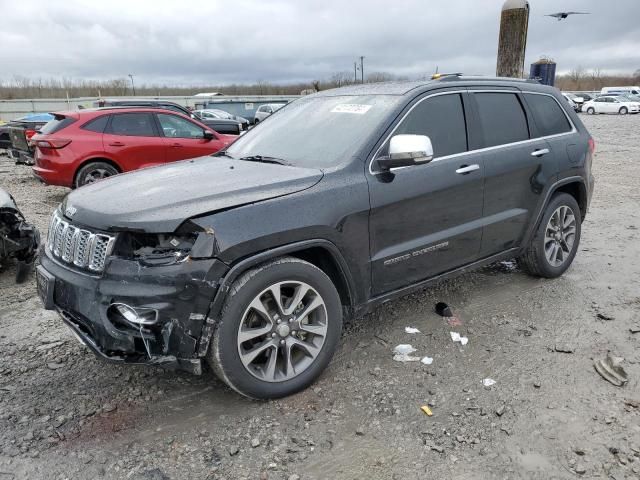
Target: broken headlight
164 248
155 247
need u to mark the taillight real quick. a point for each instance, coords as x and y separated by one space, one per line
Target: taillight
29 133
592 145
53 143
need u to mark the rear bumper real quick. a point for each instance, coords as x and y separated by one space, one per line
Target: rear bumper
51 177
179 293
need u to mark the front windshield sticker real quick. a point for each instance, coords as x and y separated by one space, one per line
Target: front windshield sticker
351 108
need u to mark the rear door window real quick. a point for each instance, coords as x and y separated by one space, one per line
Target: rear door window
548 115
442 119
502 118
132 124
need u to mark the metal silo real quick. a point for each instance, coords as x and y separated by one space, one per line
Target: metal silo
512 42
544 70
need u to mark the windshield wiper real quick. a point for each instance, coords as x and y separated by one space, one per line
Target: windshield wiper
264 159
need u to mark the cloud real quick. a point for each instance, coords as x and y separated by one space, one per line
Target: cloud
220 42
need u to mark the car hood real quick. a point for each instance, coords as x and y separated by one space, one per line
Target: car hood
159 199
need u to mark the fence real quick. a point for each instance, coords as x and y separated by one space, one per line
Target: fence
11 109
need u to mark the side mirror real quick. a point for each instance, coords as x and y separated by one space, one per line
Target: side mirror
207 135
407 150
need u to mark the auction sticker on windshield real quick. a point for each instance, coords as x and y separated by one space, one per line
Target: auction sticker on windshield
351 108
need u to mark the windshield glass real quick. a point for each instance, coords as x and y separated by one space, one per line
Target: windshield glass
316 132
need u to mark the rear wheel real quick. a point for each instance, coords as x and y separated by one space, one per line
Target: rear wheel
555 242
278 329
623 111
591 110
93 172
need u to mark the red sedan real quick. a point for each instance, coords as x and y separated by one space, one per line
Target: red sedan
81 147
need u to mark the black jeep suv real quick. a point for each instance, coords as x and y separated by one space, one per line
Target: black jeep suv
250 259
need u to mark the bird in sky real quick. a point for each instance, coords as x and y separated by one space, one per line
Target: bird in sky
562 15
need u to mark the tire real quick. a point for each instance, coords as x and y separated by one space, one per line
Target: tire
591 111
268 375
93 172
623 111
256 121
535 259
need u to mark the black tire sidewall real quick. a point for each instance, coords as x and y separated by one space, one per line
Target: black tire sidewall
591 110
546 269
82 173
623 111
228 358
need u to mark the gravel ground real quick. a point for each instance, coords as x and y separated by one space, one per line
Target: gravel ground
66 415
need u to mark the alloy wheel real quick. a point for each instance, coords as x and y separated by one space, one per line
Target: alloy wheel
282 331
560 236
96 174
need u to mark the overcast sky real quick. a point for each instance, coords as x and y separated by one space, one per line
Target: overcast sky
220 42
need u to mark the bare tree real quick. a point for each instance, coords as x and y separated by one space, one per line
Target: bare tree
577 75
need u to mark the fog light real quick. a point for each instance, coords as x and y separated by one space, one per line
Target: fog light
136 315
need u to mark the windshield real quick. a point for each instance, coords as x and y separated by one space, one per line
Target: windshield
316 132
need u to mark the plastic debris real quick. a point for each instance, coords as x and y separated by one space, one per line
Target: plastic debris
426 360
443 310
402 353
411 330
456 337
488 382
609 368
426 410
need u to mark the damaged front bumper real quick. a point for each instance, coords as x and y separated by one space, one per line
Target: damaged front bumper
178 294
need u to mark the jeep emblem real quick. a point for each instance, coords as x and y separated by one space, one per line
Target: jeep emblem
70 211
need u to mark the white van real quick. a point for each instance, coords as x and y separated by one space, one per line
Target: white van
632 90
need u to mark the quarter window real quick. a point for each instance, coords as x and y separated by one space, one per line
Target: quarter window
97 124
549 116
132 124
441 118
176 127
502 118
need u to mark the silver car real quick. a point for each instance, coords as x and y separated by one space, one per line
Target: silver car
265 110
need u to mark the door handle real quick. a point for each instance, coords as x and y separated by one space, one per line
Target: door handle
464 169
116 144
540 152
176 145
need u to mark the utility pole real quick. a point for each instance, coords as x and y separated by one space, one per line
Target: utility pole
355 72
512 41
133 87
362 68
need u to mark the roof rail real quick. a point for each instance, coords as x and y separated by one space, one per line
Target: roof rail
452 77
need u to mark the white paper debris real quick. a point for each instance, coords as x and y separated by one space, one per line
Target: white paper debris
404 357
403 349
488 382
456 337
427 360
411 330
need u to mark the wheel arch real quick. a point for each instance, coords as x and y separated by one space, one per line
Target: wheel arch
321 253
92 160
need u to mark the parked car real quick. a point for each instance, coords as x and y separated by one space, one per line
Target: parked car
264 111
220 125
81 147
19 240
569 100
611 104
16 134
633 90
213 114
250 261
578 99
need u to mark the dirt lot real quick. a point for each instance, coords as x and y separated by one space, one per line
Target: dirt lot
64 414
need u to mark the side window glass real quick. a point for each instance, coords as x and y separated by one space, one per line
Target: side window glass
549 116
502 118
177 127
97 124
132 124
442 119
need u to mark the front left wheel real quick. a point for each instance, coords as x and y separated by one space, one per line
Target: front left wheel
278 329
624 111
